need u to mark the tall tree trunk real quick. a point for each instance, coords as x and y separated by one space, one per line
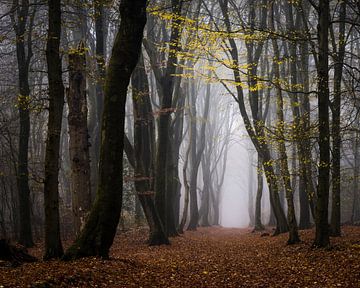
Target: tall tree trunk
336 109
321 220
298 127
197 153
53 246
79 139
194 211
205 200
185 180
98 99
144 148
280 128
178 125
251 209
98 234
260 184
355 215
164 198
306 197
23 59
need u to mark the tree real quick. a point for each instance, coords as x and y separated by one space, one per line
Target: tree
164 196
321 220
339 54
24 55
293 229
144 148
79 137
98 234
53 246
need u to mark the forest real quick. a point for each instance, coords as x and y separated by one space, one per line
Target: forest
179 143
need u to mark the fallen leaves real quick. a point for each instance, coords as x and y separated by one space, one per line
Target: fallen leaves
209 257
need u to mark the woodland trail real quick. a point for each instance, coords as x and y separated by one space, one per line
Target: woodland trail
209 257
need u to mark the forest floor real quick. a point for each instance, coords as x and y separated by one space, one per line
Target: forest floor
209 257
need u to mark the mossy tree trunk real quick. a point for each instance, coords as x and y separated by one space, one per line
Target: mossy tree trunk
98 234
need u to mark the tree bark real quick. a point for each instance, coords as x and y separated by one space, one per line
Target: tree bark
260 184
144 148
321 220
79 138
23 60
53 246
336 137
194 210
355 215
164 198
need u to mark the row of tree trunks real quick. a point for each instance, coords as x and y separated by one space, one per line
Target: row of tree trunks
97 236
144 148
256 132
280 127
298 118
164 195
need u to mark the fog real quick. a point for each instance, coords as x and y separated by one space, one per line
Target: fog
234 201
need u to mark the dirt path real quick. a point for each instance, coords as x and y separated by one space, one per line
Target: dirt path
209 257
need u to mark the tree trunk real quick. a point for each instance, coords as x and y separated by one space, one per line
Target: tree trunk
307 197
178 125
23 59
164 198
258 224
293 230
205 200
298 127
78 141
355 215
185 180
251 208
321 220
53 246
144 148
98 234
336 137
97 101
